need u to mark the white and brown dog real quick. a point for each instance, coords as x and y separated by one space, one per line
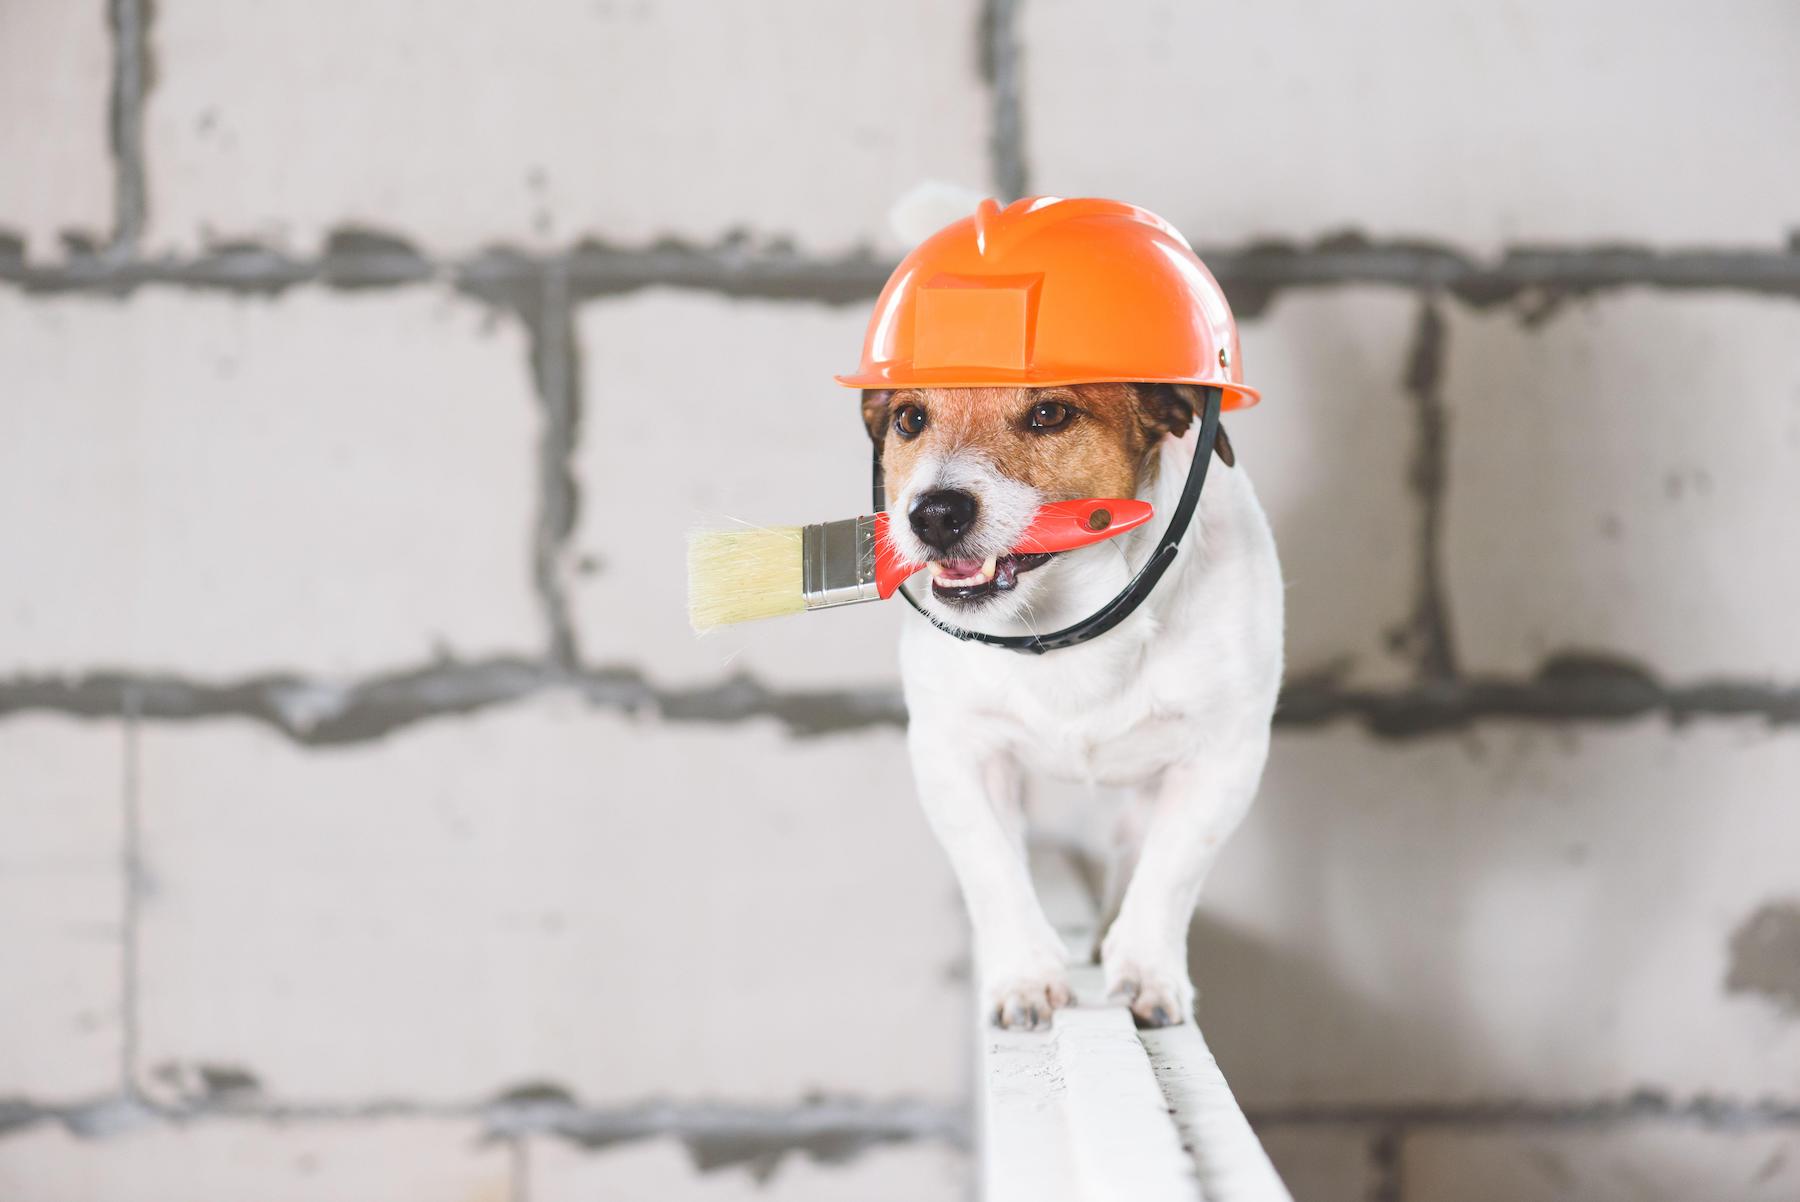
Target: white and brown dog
1174 704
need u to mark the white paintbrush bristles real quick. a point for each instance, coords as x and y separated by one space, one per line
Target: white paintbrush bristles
743 575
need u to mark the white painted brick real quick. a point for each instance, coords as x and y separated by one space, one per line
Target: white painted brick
1323 1164
329 482
1538 121
1514 913
1329 450
1625 479
662 1169
62 801
55 72
628 120
669 443
548 893
229 1160
1643 1163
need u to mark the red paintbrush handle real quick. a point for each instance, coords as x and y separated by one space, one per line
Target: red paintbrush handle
1067 525
890 569
1061 526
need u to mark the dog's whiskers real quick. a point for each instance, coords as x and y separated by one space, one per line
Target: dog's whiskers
1028 612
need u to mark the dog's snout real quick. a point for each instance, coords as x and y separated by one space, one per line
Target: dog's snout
940 518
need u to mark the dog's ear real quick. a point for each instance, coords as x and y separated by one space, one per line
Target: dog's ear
1170 409
875 412
1167 408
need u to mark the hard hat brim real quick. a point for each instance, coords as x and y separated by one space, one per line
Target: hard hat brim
1236 396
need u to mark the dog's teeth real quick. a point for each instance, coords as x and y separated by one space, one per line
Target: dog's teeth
981 575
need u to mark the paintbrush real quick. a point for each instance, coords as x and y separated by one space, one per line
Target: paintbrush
743 575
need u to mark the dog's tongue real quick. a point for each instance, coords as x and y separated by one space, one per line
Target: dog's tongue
960 568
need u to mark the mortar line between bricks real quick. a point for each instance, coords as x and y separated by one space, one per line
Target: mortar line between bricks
128 20
549 1112
837 1125
555 356
131 871
318 712
1428 632
1386 1154
1253 274
1648 1105
1002 69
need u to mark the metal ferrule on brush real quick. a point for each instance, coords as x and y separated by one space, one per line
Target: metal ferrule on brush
837 563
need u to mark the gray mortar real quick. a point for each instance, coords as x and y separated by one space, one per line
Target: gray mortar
315 713
1534 278
716 1134
1386 1157
539 296
1427 635
1001 68
1569 687
131 80
1642 1106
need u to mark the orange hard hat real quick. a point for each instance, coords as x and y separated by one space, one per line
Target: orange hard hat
1048 291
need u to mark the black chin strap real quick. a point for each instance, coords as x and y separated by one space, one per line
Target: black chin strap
1133 594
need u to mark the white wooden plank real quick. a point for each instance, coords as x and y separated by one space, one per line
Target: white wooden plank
1095 1110
1124 1145
1232 1164
1025 1135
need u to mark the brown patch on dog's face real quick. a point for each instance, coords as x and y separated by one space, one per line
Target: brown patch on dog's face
1082 440
967 468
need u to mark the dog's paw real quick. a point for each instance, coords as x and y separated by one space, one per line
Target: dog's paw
1157 998
1027 1002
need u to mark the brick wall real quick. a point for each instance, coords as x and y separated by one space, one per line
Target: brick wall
370 825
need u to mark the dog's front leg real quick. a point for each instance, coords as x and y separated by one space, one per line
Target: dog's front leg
972 800
1193 809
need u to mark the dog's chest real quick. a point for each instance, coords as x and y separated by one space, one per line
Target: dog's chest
1119 736
1113 757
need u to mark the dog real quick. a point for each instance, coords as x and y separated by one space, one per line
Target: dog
1174 704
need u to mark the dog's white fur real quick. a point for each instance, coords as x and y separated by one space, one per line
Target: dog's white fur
1174 704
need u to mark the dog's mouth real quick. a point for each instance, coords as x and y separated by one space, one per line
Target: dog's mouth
964 580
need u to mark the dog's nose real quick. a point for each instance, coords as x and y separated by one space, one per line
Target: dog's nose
939 518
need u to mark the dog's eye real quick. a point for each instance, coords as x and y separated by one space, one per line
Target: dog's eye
1049 415
909 421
